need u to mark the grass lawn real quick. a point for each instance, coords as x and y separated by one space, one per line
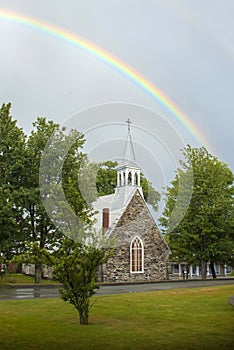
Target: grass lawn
175 319
18 278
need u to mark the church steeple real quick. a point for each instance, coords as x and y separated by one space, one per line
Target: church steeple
129 154
128 174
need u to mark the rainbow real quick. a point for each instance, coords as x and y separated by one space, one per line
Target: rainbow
109 59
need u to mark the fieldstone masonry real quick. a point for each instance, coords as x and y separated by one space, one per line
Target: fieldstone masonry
136 220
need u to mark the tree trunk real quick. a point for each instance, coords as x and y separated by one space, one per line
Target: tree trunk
213 269
84 318
203 269
38 273
19 268
222 271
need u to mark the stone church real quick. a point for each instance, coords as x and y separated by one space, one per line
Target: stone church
140 252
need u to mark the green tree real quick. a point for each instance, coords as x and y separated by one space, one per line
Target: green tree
73 186
75 266
205 232
106 177
53 160
41 230
12 151
107 181
151 196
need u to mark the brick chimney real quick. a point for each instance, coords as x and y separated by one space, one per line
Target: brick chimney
105 218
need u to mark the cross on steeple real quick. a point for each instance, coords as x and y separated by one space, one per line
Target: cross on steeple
129 153
128 122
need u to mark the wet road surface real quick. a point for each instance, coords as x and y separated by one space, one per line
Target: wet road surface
17 293
31 292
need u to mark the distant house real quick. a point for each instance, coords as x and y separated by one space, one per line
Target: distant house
29 269
182 269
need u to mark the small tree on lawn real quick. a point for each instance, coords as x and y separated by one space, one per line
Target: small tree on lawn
75 266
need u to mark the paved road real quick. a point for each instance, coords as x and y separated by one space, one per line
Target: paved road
144 287
17 293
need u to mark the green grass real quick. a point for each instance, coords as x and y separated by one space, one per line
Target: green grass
18 278
176 319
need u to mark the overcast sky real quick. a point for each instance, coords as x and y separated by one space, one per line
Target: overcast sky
185 48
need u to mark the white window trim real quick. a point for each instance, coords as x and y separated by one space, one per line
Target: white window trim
141 257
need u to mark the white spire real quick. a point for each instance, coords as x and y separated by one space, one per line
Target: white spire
129 154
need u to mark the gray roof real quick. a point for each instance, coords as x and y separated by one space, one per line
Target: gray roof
116 202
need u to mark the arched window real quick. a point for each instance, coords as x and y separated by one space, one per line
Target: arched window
119 180
136 179
136 256
129 178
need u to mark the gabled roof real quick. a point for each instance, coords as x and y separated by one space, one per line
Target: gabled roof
116 202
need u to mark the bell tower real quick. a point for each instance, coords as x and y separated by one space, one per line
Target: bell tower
128 174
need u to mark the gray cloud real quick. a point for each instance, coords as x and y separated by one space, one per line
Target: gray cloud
184 48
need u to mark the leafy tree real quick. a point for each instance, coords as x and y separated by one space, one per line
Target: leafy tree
205 232
75 266
74 189
12 151
151 196
107 181
53 180
41 230
106 178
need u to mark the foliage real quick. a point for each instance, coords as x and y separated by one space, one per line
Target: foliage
41 232
107 181
54 179
23 218
12 151
151 196
71 178
205 233
75 266
106 178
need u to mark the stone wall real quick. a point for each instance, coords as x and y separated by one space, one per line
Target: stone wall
136 220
